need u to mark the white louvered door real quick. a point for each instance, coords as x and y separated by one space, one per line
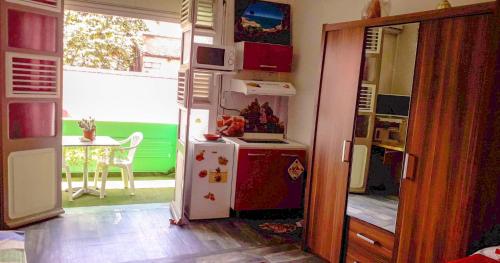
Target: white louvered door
31 106
202 89
182 85
204 17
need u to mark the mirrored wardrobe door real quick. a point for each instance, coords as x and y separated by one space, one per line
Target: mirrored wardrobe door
381 125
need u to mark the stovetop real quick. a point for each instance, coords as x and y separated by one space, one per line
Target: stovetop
265 143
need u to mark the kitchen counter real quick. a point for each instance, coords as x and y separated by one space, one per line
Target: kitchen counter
288 145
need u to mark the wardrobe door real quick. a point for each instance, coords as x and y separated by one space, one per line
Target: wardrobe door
439 180
334 130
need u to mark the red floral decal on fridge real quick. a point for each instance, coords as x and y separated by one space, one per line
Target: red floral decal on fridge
203 173
200 156
210 196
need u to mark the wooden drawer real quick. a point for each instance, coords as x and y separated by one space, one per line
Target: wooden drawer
367 243
358 254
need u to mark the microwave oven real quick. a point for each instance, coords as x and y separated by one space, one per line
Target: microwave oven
213 57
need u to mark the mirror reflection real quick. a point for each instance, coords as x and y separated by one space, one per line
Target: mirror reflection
381 124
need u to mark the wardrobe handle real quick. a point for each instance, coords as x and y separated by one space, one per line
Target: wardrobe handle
363 237
410 166
346 151
289 155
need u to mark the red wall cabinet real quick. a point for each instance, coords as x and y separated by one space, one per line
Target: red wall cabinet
263 181
262 56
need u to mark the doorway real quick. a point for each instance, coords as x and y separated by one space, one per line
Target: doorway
121 71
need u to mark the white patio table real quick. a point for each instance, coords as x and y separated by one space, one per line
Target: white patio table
75 141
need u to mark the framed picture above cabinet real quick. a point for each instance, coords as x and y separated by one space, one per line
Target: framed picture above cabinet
262 21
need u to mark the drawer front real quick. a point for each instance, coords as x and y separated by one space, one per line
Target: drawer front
369 240
358 254
252 180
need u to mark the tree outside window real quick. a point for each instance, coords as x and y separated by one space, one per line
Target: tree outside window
103 41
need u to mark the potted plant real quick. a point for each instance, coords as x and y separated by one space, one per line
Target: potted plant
88 128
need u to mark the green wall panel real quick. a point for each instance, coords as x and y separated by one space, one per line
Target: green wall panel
156 152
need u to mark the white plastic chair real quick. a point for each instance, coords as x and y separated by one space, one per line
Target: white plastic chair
66 169
125 164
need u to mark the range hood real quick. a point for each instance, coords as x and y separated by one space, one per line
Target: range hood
267 88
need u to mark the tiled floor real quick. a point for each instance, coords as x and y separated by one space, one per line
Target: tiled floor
141 233
376 210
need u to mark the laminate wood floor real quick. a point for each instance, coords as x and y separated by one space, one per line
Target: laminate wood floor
142 233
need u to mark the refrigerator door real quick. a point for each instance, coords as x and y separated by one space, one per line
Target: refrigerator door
211 180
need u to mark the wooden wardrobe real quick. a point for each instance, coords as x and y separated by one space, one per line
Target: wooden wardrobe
449 193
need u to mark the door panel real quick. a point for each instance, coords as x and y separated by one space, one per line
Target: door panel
34 181
32 120
435 206
210 181
50 5
253 179
32 31
263 180
31 52
32 76
334 125
268 57
294 188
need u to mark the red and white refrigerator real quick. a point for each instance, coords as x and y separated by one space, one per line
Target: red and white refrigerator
208 193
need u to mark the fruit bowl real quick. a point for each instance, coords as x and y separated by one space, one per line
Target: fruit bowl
211 136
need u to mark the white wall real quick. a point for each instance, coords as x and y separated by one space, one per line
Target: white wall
398 60
119 96
307 19
387 66
406 53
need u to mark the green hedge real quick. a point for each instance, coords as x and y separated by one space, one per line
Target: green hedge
156 152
